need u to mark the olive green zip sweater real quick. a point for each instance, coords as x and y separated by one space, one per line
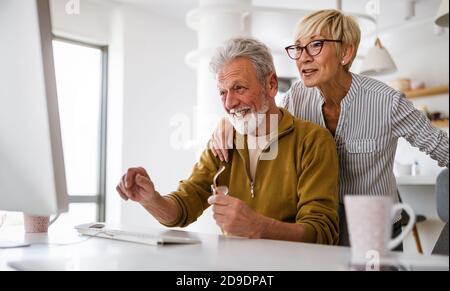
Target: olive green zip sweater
299 185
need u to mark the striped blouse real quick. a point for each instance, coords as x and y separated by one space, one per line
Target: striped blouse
373 116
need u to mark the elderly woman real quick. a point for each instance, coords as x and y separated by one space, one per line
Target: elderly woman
365 116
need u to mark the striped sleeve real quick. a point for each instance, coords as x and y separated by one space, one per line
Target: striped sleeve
416 128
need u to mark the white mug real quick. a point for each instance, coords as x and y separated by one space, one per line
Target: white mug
369 222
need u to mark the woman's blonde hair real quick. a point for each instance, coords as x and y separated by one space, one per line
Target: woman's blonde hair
335 24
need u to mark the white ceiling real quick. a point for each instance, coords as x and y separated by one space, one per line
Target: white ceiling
170 8
392 12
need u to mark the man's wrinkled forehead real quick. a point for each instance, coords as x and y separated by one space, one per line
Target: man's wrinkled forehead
236 71
229 74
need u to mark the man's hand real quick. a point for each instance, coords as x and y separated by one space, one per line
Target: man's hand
222 139
234 217
137 186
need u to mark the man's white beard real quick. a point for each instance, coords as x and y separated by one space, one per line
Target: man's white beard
251 121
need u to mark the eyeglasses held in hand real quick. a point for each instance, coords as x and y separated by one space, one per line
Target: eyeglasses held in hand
313 48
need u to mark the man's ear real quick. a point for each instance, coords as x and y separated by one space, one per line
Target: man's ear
272 85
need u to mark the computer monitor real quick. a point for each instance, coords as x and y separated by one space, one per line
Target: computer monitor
32 176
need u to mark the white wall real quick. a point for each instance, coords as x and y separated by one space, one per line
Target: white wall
91 24
420 53
158 85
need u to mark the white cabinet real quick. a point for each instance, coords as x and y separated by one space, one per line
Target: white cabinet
416 180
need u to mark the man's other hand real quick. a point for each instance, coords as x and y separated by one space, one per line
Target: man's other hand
234 217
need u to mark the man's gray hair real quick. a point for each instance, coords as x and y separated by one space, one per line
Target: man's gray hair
257 52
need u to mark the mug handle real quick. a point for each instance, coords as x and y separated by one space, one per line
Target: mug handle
412 220
53 219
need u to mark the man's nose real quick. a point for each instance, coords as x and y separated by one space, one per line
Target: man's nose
231 101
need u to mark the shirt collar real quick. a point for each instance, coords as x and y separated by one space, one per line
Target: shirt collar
352 91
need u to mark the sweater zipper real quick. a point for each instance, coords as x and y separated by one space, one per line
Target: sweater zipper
252 182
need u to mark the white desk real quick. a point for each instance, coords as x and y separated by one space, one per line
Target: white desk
214 253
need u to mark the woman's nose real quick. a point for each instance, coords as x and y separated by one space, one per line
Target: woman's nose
304 57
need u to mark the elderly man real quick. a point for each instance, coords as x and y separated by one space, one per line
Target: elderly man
282 176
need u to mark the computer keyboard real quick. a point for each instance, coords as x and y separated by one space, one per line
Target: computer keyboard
149 236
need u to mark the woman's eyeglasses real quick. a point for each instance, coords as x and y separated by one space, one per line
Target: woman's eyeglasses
313 48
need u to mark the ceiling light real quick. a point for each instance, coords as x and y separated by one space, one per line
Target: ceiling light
378 61
442 15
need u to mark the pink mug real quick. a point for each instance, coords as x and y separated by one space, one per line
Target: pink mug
37 224
369 221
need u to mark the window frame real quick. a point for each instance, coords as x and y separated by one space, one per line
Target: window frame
100 198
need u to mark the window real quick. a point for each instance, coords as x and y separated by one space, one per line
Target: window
81 85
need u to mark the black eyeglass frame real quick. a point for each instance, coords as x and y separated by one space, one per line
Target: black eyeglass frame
305 48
